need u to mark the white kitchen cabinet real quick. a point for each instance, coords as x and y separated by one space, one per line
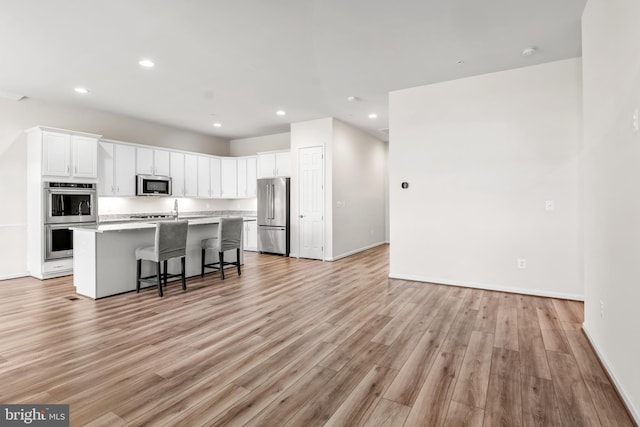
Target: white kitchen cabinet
273 164
216 177
69 155
56 154
177 174
144 161
204 178
228 176
152 162
246 183
161 163
252 178
241 182
250 236
116 170
190 175
85 157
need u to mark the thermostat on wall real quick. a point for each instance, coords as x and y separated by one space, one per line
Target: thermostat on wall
405 185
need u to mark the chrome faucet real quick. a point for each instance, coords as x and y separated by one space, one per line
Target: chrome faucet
175 209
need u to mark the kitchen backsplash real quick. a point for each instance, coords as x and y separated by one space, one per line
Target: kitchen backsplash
126 205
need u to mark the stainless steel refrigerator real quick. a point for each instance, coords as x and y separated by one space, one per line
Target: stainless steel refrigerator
273 215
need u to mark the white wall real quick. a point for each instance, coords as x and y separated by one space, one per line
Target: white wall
16 117
359 202
481 156
251 146
313 133
610 33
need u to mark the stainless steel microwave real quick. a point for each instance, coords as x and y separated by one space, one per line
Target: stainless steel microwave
151 185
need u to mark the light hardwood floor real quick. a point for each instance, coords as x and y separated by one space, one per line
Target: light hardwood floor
303 343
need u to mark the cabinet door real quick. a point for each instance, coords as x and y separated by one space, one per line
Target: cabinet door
241 177
251 236
190 175
144 161
252 181
85 157
125 170
56 154
282 164
204 179
177 174
266 165
106 184
228 175
161 163
216 179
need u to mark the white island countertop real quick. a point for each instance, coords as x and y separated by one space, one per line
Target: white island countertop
139 225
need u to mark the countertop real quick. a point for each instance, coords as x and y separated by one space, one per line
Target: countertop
137 224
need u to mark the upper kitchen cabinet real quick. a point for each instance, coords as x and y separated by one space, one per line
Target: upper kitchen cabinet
65 154
177 174
190 175
152 162
184 175
273 164
228 175
216 177
247 169
116 170
204 177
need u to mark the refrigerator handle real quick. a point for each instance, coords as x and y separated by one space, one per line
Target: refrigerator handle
273 201
268 201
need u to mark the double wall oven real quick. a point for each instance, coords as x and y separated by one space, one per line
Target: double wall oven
66 205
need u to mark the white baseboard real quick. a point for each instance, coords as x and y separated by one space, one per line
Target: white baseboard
536 292
335 258
13 275
607 366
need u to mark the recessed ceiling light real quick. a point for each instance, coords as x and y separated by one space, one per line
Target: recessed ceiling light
217 125
373 116
146 63
81 90
352 98
281 112
529 51
460 62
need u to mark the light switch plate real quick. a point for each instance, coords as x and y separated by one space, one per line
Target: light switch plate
549 205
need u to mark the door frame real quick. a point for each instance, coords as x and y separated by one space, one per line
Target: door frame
324 202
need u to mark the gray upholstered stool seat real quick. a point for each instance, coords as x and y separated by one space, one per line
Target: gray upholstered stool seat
228 238
170 242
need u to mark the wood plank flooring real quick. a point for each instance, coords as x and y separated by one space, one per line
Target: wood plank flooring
303 343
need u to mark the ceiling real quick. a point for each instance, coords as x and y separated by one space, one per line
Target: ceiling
238 62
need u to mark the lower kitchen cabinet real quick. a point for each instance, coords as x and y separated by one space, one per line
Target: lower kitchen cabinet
251 236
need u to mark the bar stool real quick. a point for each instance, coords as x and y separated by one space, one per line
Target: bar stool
170 242
228 238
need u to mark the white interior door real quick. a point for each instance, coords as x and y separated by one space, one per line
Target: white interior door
311 202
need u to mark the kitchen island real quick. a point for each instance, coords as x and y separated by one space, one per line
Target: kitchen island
104 261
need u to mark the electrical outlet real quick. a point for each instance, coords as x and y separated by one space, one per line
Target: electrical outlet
636 119
522 263
601 309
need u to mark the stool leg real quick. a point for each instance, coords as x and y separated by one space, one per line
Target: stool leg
238 260
184 282
221 258
158 272
165 272
138 273
203 254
